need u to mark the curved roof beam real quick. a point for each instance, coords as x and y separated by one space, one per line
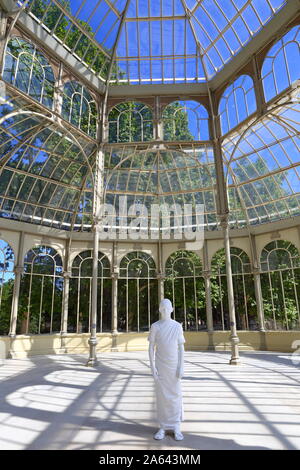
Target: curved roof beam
63 130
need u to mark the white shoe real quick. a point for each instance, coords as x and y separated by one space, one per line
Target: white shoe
178 435
159 435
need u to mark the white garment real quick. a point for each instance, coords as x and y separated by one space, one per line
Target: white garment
167 335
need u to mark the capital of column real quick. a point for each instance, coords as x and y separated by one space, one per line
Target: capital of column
157 120
223 218
96 226
207 274
115 274
19 269
160 276
256 270
67 274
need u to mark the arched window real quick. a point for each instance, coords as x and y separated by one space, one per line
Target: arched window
80 296
281 65
280 279
130 122
79 108
237 103
185 120
137 292
27 69
184 286
243 286
7 278
40 302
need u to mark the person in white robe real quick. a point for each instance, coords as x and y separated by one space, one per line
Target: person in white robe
166 355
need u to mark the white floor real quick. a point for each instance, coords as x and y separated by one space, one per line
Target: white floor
55 402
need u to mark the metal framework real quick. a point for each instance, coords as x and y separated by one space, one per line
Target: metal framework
40 303
280 273
130 122
137 292
7 260
71 139
80 303
237 103
197 121
184 284
244 295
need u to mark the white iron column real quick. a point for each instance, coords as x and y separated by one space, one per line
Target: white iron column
157 121
259 300
209 317
207 281
257 284
92 361
18 270
64 320
58 92
114 303
65 302
161 290
3 25
223 214
97 210
160 273
235 359
114 308
114 323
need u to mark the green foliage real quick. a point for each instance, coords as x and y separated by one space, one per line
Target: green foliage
130 122
67 32
80 108
135 294
79 314
34 76
266 189
176 125
185 287
243 285
280 297
44 291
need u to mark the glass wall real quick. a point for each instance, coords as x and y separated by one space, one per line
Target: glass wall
185 120
79 108
184 286
137 292
280 278
243 286
237 103
28 70
130 122
41 291
7 259
281 65
80 296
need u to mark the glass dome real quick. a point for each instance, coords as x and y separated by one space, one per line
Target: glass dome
155 41
71 119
